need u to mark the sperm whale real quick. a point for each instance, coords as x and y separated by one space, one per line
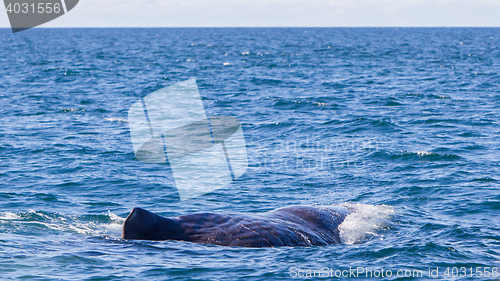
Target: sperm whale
290 226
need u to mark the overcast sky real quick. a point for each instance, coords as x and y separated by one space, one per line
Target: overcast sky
249 13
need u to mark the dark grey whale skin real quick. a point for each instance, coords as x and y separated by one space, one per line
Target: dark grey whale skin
289 226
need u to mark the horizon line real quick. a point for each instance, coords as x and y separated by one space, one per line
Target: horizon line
98 27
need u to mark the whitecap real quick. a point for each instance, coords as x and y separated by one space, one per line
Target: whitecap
115 119
64 223
423 153
364 222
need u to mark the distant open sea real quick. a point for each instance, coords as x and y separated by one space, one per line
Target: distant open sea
402 122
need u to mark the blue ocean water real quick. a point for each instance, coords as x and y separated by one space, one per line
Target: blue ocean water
403 123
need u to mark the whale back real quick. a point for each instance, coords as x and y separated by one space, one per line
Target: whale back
321 221
290 226
144 225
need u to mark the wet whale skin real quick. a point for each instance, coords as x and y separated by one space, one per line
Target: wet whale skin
289 226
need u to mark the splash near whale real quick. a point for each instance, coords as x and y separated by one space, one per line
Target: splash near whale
289 226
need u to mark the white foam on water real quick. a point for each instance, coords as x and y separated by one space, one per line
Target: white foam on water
116 224
68 109
8 216
423 153
364 222
112 119
64 223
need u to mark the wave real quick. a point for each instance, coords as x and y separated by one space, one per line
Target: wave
420 155
37 221
69 109
111 119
